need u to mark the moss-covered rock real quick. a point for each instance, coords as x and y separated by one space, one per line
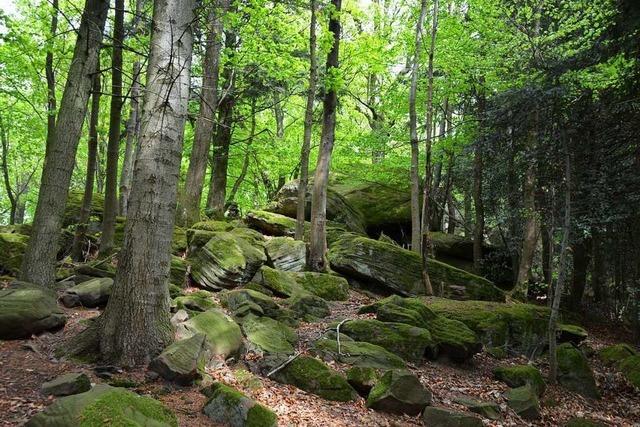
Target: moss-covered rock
360 354
28 309
574 372
174 290
399 392
362 379
399 270
630 368
74 203
223 335
408 342
311 375
584 422
213 225
520 375
178 271
441 417
308 307
286 254
271 224
573 334
327 286
268 335
179 241
104 406
614 354
226 261
195 301
198 238
183 361
229 407
489 410
281 283
67 384
242 302
524 402
92 293
12 248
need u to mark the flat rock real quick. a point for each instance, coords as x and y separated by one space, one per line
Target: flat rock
28 309
223 335
524 402
268 335
399 392
286 254
360 354
489 410
441 417
92 293
67 384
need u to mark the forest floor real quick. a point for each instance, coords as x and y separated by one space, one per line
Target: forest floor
26 364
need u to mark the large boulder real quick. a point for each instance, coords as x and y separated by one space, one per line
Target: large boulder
399 392
281 283
12 248
271 224
178 271
223 335
245 301
520 375
104 406
361 354
409 342
630 368
227 260
229 407
524 402
400 271
183 361
327 286
67 384
574 372
363 379
286 254
441 417
614 354
311 375
195 301
308 307
92 293
267 335
27 309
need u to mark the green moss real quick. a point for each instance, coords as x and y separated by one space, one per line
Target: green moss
574 372
524 402
614 354
520 375
327 286
224 336
630 368
247 380
400 392
123 382
212 225
363 378
174 290
271 223
228 406
179 241
178 271
269 335
280 282
583 422
196 301
74 203
362 354
12 248
244 301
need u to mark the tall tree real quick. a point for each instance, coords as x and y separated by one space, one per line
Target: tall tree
39 260
191 194
478 230
113 146
413 133
318 246
50 74
308 126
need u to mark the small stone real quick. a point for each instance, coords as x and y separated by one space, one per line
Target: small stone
67 384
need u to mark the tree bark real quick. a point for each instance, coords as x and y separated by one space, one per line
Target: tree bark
318 245
92 149
51 77
247 154
135 325
413 133
39 259
308 127
530 236
478 231
4 139
113 146
191 194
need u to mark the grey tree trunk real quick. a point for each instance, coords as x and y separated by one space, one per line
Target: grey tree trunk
4 139
113 146
318 245
135 324
308 126
413 134
39 260
530 236
92 149
51 77
191 194
478 231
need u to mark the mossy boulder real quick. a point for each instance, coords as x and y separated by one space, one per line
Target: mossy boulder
489 410
630 368
242 302
195 301
92 293
452 337
67 384
27 309
271 224
182 361
104 406
175 290
287 254
520 375
524 402
573 334
399 392
223 335
281 283
363 379
574 372
408 342
400 270
229 407
212 225
311 375
268 335
308 307
357 353
178 271
12 248
327 286
178 241
614 354
226 261
441 417
74 204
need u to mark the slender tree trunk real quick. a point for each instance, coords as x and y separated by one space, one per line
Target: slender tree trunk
426 209
247 154
140 295
478 234
413 133
4 138
191 195
562 272
581 260
113 146
318 245
51 77
92 148
278 112
133 124
530 236
39 260
598 275
308 126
